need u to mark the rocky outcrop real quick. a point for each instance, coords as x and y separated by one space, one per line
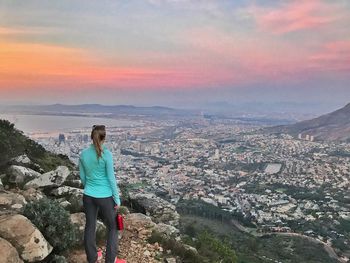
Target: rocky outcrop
50 179
19 175
8 253
25 237
160 210
11 201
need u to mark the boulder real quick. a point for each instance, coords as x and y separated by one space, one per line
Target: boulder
167 230
50 179
19 175
67 191
32 194
11 201
138 220
22 234
78 220
160 210
21 159
8 253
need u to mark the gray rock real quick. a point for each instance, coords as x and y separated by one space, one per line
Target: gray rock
138 219
52 179
8 253
11 201
20 175
21 159
167 230
1 185
160 210
170 260
22 234
67 191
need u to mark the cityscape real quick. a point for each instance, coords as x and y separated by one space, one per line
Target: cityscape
276 182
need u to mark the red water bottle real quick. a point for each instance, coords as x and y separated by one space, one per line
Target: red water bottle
120 223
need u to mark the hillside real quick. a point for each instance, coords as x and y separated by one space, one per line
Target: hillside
14 143
334 126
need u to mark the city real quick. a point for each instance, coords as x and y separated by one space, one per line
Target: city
275 181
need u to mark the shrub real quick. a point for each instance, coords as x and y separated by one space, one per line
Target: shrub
53 221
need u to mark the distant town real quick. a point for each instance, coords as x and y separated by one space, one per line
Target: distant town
278 182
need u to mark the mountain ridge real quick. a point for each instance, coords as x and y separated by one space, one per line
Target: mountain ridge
333 126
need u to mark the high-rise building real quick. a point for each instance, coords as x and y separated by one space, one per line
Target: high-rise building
61 138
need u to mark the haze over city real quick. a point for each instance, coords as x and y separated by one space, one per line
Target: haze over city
178 53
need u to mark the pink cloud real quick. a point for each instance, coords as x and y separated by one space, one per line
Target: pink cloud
334 56
295 16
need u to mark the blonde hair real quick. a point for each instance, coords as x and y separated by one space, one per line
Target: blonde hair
98 134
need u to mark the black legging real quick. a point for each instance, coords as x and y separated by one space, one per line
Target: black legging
91 207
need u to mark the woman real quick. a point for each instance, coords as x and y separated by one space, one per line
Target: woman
100 193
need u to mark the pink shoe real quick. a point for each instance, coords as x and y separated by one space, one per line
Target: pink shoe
117 260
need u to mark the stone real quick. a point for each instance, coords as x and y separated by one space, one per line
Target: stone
20 175
8 253
51 179
67 190
11 201
160 210
1 185
170 260
138 220
22 234
32 194
21 159
167 230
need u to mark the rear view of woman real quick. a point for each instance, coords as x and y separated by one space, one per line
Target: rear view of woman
100 193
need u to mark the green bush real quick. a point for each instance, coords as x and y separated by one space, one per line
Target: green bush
53 221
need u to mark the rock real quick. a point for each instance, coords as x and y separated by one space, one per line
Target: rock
67 191
11 201
167 230
51 179
147 253
22 234
65 204
74 183
21 159
20 175
170 260
160 210
8 253
1 185
190 248
32 194
78 220
138 220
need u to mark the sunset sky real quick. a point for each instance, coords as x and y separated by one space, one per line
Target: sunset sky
174 52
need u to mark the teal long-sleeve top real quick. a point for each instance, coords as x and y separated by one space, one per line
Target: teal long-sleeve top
97 175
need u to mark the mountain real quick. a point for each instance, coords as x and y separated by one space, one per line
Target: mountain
334 126
14 143
97 109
